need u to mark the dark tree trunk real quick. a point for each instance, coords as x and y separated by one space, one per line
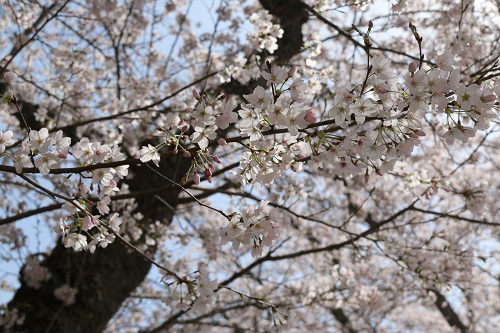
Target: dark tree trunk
103 279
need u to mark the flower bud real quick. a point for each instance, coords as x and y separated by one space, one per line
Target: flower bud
208 172
196 95
196 179
412 67
419 132
215 158
292 71
175 152
187 154
489 98
222 142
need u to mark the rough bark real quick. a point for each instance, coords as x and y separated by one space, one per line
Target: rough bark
104 280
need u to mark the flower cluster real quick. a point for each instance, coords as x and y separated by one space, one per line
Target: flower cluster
184 295
35 274
49 151
370 126
171 134
208 116
253 225
266 34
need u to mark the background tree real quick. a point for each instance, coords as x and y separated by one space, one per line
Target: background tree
346 152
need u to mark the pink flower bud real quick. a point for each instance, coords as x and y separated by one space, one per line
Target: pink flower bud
10 76
489 98
187 154
412 67
196 179
216 159
209 178
112 183
62 155
380 90
196 95
222 142
419 132
208 172
367 177
183 181
175 152
292 71
414 136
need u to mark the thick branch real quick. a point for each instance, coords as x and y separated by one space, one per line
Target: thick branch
448 313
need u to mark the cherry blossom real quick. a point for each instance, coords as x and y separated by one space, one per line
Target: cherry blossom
325 165
150 153
6 140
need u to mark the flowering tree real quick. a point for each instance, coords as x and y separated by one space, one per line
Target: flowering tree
296 165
